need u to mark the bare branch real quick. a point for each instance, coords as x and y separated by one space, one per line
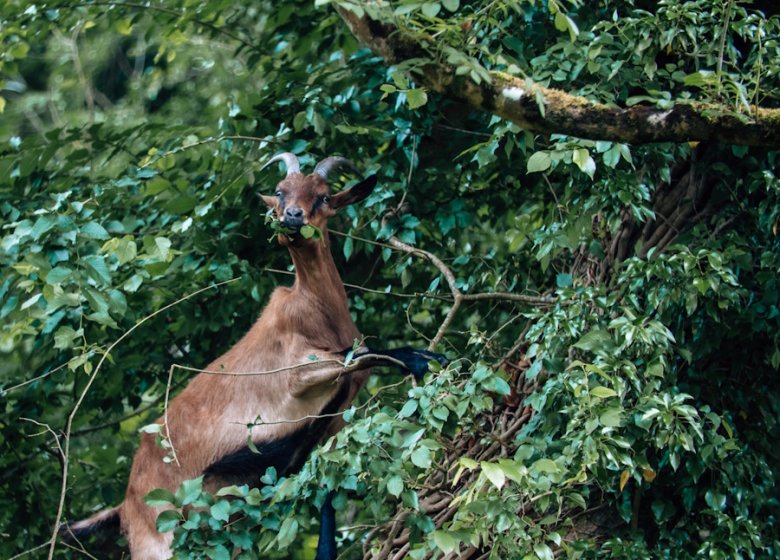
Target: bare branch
83 395
459 297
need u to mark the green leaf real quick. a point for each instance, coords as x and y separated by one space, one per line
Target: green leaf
545 466
395 485
565 23
612 417
511 470
97 269
701 78
168 520
18 50
163 245
564 280
416 98
93 230
596 339
220 510
125 249
309 231
543 552
218 552
409 408
30 301
42 225
715 500
287 532
133 283
431 9
123 26
348 246
494 474
445 541
239 491
160 497
63 338
582 158
422 457
58 274
181 204
540 161
602 392
190 490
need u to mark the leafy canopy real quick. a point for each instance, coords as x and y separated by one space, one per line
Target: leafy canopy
636 416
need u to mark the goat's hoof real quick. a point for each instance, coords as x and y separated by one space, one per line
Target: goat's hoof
416 361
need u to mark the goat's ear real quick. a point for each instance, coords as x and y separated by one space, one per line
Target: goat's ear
271 201
354 194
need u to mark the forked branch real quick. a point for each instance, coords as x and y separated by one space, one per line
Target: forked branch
458 296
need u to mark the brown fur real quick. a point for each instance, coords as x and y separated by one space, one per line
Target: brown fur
208 419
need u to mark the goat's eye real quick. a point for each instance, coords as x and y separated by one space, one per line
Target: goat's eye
325 199
278 193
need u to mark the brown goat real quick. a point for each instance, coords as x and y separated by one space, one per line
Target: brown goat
206 423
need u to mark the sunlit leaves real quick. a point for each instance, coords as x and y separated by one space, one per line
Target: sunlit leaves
395 485
643 364
540 161
494 474
446 542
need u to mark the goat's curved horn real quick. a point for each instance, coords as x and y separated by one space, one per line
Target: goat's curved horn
332 163
290 161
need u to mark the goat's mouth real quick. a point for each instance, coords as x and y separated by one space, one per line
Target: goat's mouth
291 230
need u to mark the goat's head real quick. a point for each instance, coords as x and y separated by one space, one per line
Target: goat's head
302 200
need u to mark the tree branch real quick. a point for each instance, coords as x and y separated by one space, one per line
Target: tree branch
459 297
519 101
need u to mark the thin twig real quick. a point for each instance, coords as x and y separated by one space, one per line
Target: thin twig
72 416
209 140
458 297
89 95
165 415
409 175
721 50
170 12
507 296
121 419
26 552
364 361
33 380
328 415
448 276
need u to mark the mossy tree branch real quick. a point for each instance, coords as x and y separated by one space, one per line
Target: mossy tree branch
518 101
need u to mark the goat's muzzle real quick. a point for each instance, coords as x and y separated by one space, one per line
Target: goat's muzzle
293 218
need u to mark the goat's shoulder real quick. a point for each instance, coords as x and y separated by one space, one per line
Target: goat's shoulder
280 293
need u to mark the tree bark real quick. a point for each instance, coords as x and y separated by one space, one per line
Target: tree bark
546 110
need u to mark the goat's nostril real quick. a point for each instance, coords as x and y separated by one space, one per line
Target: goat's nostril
293 212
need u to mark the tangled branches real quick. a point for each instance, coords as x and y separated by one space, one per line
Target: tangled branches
494 440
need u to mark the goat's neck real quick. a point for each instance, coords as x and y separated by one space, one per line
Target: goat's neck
316 276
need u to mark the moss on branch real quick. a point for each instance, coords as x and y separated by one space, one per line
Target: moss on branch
519 101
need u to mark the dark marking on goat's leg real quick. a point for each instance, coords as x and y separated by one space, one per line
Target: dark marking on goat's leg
415 361
326 546
287 454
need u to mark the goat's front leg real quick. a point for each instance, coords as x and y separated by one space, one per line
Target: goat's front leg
407 359
326 545
330 367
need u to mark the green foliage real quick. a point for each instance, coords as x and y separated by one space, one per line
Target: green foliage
130 143
386 448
